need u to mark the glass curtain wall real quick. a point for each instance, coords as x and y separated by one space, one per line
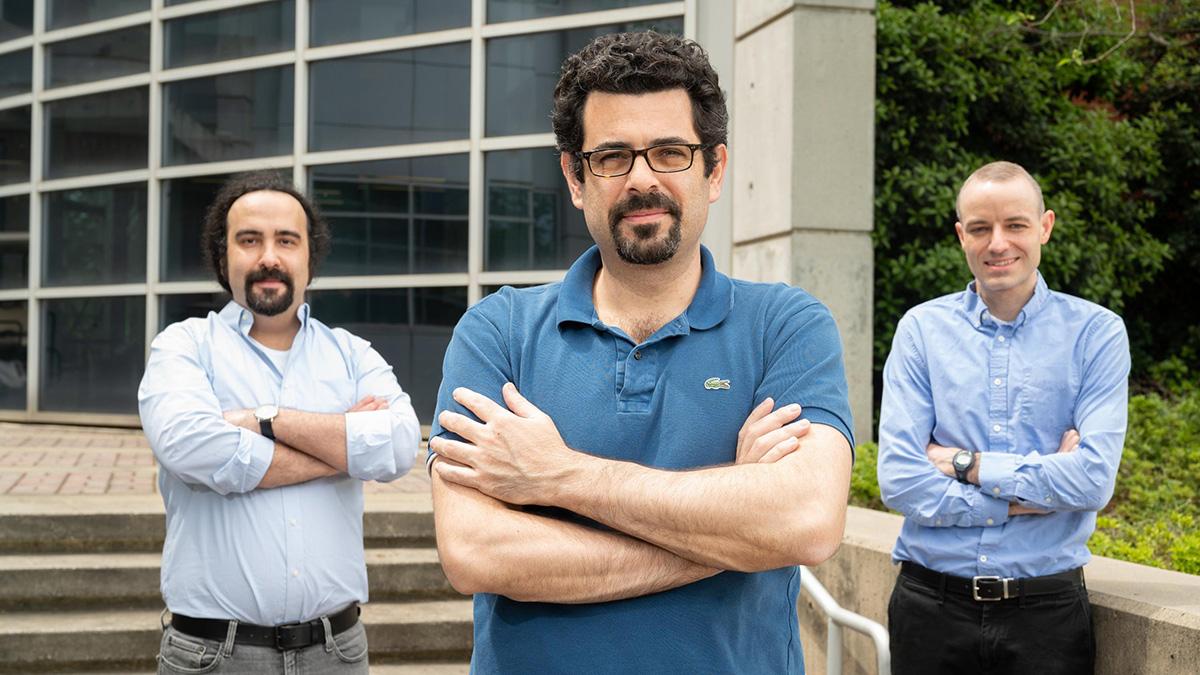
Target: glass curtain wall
420 127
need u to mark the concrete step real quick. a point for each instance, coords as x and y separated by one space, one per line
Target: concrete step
96 524
127 640
131 580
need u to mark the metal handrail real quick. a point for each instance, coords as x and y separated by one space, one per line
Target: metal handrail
839 617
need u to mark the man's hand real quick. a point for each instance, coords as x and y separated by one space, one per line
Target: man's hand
514 455
244 417
369 403
942 457
768 436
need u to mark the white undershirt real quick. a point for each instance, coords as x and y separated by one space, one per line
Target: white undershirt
278 356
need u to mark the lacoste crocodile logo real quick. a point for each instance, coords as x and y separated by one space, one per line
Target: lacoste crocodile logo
716 383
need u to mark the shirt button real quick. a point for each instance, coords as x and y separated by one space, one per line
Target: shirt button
995 427
990 521
997 382
292 522
637 356
295 573
1000 338
996 490
983 558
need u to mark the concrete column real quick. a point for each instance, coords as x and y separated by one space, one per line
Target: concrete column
803 156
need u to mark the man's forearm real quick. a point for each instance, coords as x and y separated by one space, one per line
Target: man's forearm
746 517
290 467
487 547
320 435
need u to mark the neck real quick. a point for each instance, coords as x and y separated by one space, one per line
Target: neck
645 297
1006 305
276 332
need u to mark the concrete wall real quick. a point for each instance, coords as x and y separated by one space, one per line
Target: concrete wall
1147 620
803 157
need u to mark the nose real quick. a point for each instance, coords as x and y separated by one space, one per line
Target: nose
270 255
641 178
999 241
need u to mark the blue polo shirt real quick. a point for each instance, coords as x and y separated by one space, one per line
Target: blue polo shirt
674 401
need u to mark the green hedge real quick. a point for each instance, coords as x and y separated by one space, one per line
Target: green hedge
1154 515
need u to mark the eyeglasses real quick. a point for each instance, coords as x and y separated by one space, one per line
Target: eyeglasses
665 158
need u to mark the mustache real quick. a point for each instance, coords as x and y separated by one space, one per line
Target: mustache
642 202
263 274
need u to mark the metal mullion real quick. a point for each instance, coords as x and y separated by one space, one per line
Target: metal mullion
300 95
386 152
16 45
185 287
37 148
343 283
17 101
93 27
228 166
15 189
583 19
388 44
98 87
521 142
154 211
10 237
521 277
229 66
203 7
476 230
98 291
14 294
95 180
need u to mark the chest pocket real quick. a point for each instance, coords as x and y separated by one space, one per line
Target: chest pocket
1048 403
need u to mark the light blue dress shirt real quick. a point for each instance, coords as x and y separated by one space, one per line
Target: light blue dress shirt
265 556
959 378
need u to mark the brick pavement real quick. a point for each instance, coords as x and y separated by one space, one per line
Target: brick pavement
39 459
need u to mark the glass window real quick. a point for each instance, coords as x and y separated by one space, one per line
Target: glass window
95 236
62 13
98 57
512 10
97 133
409 327
16 20
351 109
184 202
235 33
531 222
14 145
16 72
14 244
409 96
176 308
93 351
14 335
234 116
522 71
397 216
335 21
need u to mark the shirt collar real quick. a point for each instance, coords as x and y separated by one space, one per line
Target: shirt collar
242 320
709 307
977 312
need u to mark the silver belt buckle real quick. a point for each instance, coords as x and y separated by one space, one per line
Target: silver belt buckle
975 588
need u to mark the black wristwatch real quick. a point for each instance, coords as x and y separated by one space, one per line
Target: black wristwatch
265 414
963 461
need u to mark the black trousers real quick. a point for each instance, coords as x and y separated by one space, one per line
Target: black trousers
934 632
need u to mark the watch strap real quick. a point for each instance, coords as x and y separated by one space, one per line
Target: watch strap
264 427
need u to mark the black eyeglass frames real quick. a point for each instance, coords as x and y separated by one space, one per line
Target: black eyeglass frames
662 158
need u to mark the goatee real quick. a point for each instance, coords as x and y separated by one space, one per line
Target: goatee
272 302
642 249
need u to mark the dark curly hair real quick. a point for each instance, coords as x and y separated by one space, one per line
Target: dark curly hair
216 220
639 63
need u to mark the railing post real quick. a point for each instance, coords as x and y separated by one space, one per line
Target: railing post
833 649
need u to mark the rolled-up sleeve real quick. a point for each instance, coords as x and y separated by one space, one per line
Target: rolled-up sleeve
381 445
185 427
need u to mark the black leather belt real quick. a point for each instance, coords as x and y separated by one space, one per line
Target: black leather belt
994 588
287 636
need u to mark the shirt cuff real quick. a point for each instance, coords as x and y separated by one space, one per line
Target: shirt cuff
998 475
369 452
245 470
990 512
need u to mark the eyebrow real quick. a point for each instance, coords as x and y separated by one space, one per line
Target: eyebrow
253 230
663 140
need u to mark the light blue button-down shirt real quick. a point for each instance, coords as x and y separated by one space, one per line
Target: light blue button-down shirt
265 556
959 378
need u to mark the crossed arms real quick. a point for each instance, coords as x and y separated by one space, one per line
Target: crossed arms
202 444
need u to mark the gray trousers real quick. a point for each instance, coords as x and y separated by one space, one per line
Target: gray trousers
345 652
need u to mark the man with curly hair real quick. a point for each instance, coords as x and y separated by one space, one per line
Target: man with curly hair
265 422
630 464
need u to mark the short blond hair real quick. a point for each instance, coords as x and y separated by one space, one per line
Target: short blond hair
999 172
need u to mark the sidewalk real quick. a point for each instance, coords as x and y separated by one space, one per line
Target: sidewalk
50 460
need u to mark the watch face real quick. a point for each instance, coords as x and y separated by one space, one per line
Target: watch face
962 460
266 412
